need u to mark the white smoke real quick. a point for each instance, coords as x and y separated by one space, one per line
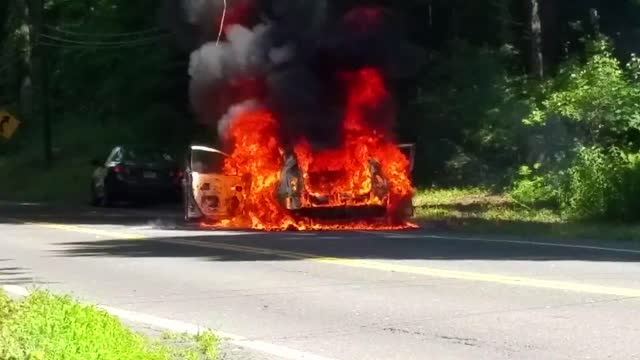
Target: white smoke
246 46
239 55
234 112
207 63
216 63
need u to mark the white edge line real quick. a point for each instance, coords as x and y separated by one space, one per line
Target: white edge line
519 242
281 352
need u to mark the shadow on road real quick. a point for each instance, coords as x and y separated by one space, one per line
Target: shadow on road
17 213
415 244
352 245
16 276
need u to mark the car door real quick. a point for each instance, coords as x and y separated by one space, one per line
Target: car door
201 185
100 173
409 150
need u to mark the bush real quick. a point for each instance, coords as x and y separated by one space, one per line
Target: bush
584 134
533 188
602 184
599 97
593 184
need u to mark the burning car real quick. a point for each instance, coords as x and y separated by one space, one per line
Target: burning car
209 193
215 191
316 193
303 107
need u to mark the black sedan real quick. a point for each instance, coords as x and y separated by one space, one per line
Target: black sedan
135 174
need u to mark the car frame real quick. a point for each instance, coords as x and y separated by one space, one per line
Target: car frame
213 196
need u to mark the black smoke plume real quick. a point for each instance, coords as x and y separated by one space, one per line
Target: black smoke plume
286 55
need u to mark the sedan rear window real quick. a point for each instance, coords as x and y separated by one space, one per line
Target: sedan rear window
146 156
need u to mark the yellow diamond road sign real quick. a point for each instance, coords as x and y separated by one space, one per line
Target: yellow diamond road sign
8 124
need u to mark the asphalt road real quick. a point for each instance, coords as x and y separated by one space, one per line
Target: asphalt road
334 295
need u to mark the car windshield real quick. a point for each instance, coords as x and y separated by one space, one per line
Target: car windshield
207 161
146 156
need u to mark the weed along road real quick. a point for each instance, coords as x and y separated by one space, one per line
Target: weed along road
333 295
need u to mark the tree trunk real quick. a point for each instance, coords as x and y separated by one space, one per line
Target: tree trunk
553 36
505 19
536 59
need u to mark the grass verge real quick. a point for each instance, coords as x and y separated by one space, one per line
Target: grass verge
45 326
479 211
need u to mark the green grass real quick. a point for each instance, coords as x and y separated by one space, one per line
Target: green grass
27 180
478 211
46 326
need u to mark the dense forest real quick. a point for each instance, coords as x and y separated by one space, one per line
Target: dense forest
537 98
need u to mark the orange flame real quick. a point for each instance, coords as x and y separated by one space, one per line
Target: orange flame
257 153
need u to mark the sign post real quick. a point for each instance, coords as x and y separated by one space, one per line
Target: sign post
8 124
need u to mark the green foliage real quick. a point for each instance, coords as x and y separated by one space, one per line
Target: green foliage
533 188
99 96
44 326
602 183
593 184
208 344
467 111
586 120
50 327
599 96
6 308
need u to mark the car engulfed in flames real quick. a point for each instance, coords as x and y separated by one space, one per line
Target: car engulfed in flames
266 182
314 194
300 94
217 194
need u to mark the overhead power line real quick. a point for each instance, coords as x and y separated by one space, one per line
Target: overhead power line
150 31
224 15
88 47
132 42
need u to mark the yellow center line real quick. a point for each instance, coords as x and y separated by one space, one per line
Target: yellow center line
373 265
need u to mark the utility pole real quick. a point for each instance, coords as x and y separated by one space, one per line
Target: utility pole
38 76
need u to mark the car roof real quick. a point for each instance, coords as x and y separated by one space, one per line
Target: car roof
142 147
